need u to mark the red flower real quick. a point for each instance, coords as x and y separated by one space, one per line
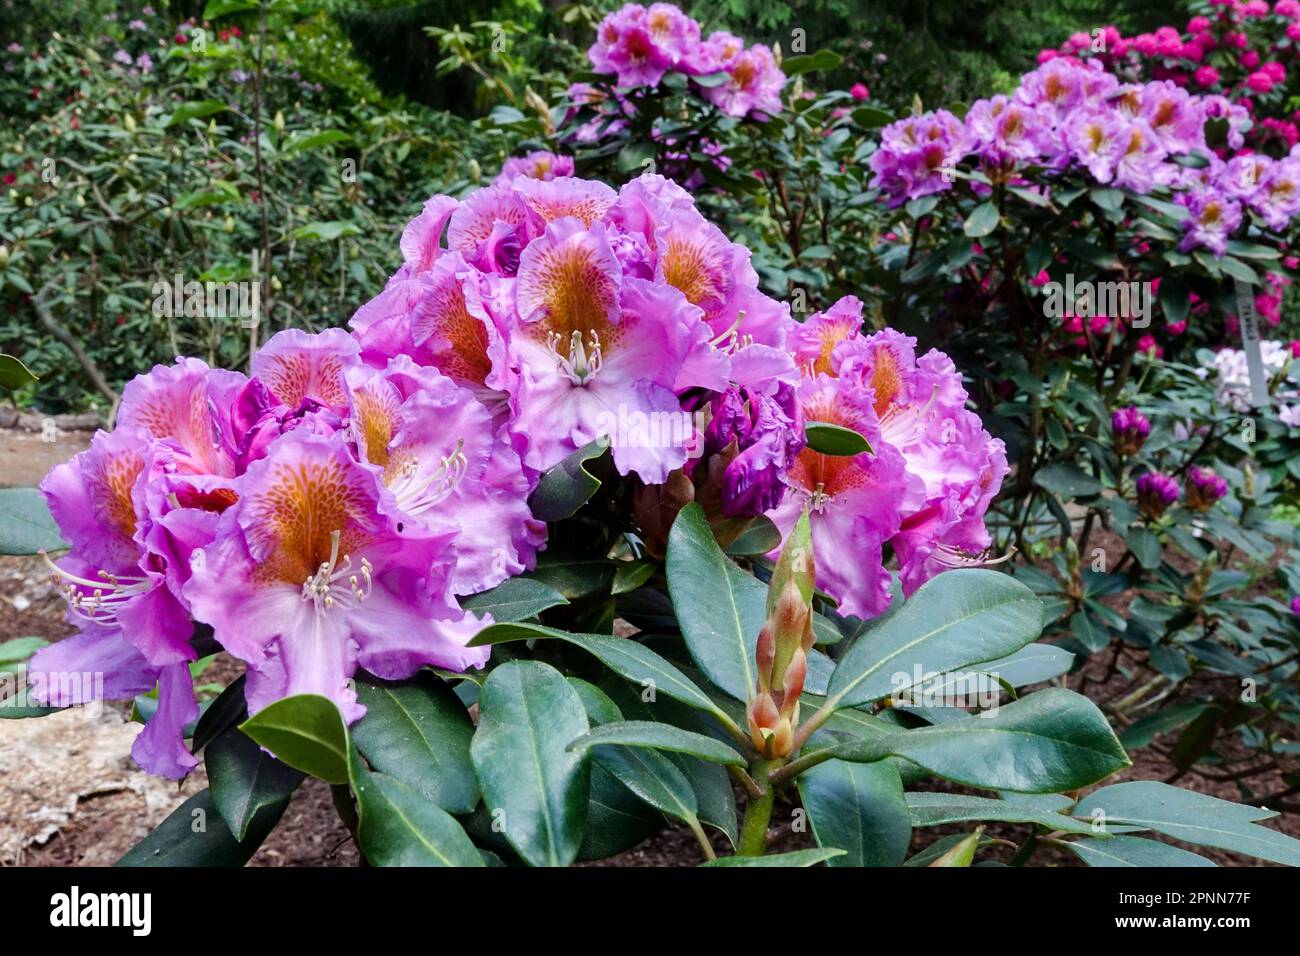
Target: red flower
179 39
11 178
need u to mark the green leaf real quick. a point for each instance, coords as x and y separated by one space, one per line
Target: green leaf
515 599
1133 851
1193 818
623 656
566 487
653 778
26 526
869 117
246 781
937 809
1049 741
859 808
418 732
720 608
13 373
630 575
660 736
1069 481
1238 270
956 619
528 714
304 142
223 713
1030 665
1109 200
325 231
195 835
962 852
835 439
982 220
19 649
221 8
1145 546
195 110
306 732
793 858
399 827
636 157
821 60
760 537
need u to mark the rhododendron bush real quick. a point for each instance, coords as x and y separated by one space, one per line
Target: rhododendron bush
736 453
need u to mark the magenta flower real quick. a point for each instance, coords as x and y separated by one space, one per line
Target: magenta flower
1129 429
309 579
753 85
539 164
1155 493
916 155
1204 488
765 433
1211 221
854 502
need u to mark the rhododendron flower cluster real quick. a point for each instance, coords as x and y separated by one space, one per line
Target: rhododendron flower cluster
1071 116
1253 47
329 510
924 486
639 45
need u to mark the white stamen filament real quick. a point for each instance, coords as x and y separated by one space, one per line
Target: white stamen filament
731 341
582 362
819 499
903 424
953 557
334 584
418 493
97 600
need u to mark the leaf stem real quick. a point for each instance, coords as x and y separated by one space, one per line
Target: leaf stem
753 832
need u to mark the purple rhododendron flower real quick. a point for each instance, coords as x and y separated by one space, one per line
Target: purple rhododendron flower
1204 488
539 164
1155 493
767 433
1130 429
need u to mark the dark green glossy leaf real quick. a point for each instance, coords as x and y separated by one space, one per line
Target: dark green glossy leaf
306 732
417 731
246 781
959 618
534 786
720 608
26 526
196 835
515 599
660 736
858 808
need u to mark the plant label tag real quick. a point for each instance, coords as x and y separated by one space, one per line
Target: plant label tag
1250 344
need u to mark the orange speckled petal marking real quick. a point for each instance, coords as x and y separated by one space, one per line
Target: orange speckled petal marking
568 282
886 378
375 421
584 200
113 490
458 338
295 366
472 223
298 506
697 262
